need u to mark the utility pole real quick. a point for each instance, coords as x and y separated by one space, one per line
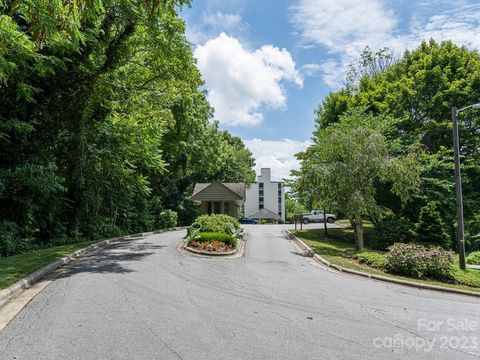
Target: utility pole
325 222
458 188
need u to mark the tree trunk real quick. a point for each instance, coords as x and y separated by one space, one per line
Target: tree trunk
358 231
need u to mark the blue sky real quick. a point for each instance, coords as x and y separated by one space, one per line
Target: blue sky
268 64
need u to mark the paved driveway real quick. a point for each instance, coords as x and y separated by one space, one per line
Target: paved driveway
143 300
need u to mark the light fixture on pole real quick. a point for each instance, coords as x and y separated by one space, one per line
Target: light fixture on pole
458 184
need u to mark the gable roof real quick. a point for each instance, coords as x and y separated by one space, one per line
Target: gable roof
237 189
265 214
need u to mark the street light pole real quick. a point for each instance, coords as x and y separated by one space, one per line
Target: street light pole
458 188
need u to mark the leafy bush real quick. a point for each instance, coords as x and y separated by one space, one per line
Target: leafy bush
474 258
214 236
430 229
166 219
372 259
389 231
214 223
11 241
420 261
472 233
470 277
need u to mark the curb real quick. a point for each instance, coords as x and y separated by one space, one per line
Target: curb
15 289
310 253
232 254
201 252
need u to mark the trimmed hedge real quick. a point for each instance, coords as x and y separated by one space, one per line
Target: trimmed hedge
420 261
214 223
214 236
474 258
372 259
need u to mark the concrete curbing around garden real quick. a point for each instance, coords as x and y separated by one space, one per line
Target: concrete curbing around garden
310 253
17 288
233 254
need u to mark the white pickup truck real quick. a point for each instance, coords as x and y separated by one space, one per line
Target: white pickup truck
318 216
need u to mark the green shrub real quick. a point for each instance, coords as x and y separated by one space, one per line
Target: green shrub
372 259
474 258
214 223
472 233
469 277
430 229
11 241
420 261
166 219
214 236
389 231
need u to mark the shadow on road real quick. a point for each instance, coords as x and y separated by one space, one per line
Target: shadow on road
114 259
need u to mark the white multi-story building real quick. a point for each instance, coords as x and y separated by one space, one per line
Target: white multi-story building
265 199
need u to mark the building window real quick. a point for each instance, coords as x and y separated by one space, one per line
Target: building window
260 199
260 192
260 206
279 192
279 213
260 185
279 186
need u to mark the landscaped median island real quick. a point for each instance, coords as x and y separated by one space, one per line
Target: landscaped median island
214 235
431 265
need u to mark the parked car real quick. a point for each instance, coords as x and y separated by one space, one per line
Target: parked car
318 216
246 220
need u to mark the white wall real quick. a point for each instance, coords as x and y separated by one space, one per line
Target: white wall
270 196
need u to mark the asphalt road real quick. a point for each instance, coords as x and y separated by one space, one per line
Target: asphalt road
144 300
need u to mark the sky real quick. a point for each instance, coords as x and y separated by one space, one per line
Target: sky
268 64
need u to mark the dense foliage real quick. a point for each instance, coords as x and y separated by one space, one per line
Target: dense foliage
346 163
420 261
430 229
474 258
293 207
103 123
389 230
166 219
217 223
414 94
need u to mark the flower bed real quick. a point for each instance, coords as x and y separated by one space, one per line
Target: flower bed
214 234
211 246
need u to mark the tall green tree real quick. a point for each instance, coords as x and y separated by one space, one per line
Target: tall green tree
346 162
417 92
103 121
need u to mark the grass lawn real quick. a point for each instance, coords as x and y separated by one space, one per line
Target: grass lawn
343 222
13 268
339 249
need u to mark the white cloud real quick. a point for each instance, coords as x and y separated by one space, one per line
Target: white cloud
243 83
311 69
212 24
219 19
334 73
277 155
345 27
462 26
